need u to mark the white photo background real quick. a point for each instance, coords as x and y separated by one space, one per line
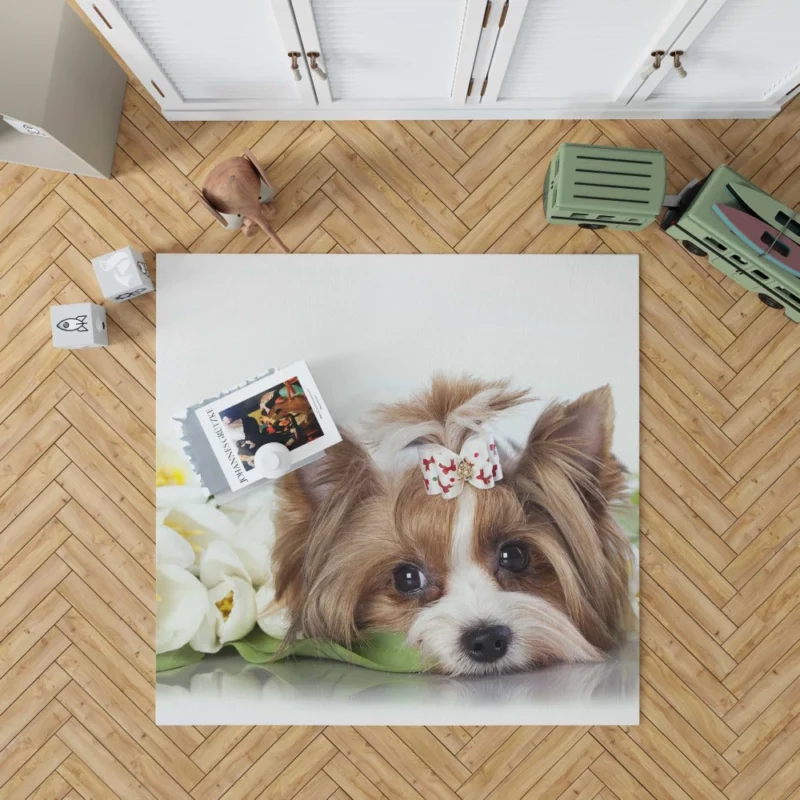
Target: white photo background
560 325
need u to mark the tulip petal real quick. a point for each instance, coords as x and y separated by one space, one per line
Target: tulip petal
273 618
172 548
254 515
241 618
231 614
220 561
173 466
169 496
205 638
257 560
182 605
207 517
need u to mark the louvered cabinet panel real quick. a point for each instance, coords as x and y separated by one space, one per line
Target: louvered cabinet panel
210 49
582 50
746 52
384 50
204 51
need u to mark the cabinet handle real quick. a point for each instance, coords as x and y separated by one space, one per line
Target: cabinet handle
657 55
313 56
676 62
102 17
295 67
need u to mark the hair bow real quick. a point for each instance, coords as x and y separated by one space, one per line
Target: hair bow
446 472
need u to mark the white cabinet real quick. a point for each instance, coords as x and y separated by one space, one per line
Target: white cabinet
573 52
231 55
303 59
389 53
747 51
584 58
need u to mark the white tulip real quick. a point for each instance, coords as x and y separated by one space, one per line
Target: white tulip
273 618
253 513
198 524
256 558
169 496
254 537
220 561
173 467
172 548
230 615
182 603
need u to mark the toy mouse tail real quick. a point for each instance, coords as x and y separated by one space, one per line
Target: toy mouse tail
264 224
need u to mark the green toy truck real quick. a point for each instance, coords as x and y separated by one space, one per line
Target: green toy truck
609 187
700 230
605 187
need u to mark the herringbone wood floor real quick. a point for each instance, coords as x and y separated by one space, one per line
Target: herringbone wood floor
720 468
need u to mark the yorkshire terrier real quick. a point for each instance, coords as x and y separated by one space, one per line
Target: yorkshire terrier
488 559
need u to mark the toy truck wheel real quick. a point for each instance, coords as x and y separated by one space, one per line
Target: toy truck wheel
769 301
592 226
693 248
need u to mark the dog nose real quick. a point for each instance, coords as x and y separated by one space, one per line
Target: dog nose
487 643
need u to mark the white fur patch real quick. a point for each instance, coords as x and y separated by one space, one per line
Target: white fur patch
540 632
463 529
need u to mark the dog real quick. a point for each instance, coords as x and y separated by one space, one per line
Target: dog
510 560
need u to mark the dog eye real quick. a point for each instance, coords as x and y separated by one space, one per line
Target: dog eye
408 578
513 557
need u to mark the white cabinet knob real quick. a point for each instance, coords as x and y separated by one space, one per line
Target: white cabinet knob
657 56
312 57
295 67
676 61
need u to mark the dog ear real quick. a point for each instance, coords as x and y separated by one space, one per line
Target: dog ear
578 436
567 469
346 468
317 505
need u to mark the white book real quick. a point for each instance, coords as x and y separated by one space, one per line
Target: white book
222 434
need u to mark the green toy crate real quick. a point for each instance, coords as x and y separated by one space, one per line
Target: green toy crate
605 187
702 232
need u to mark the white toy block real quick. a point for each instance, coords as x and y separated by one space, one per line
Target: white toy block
78 325
122 274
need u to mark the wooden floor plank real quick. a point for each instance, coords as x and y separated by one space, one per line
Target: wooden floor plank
685 556
399 180
437 143
496 185
365 217
110 625
159 131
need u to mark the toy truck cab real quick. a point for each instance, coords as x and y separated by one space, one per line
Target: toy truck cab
701 231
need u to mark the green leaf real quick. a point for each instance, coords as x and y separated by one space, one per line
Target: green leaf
378 650
177 658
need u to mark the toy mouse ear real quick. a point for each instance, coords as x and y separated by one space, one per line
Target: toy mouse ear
257 167
214 213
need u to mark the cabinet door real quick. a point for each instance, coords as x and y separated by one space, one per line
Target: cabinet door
745 51
579 53
205 53
390 53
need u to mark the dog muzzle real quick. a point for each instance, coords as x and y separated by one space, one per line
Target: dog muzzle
446 472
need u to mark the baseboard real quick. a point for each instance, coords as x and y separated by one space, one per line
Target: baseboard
699 111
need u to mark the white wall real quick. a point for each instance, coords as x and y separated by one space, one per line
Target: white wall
375 328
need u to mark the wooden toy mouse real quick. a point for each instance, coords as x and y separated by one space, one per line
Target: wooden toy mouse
234 188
